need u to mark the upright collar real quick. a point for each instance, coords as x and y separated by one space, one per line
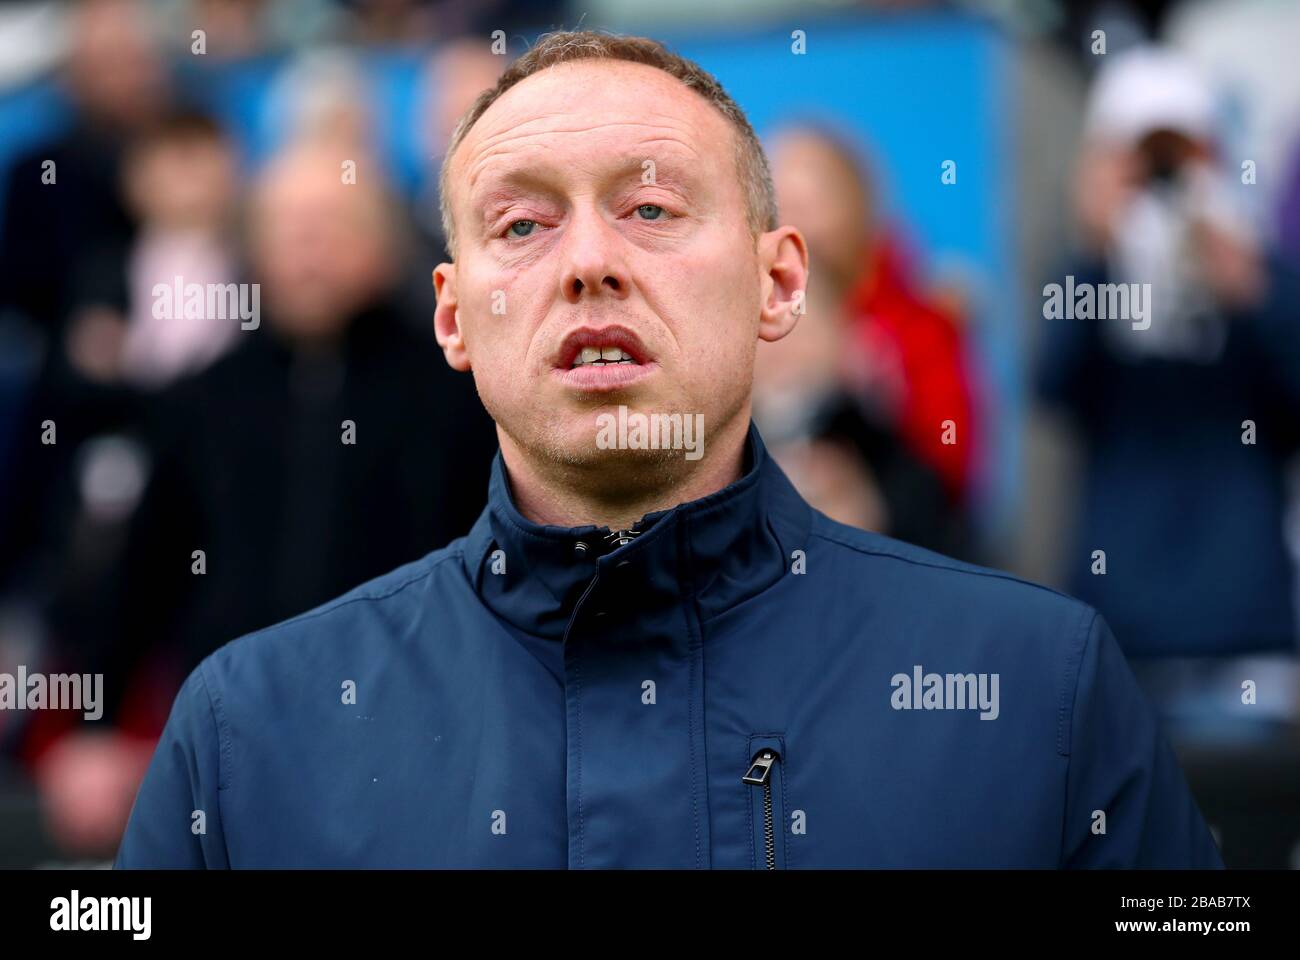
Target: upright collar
714 552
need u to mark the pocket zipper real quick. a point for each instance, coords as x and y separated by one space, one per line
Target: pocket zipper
760 775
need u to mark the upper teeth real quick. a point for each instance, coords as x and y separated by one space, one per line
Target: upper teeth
602 355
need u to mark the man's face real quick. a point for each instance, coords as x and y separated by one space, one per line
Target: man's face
319 251
818 190
598 207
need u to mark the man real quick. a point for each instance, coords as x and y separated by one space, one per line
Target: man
653 657
910 353
65 230
1188 399
251 464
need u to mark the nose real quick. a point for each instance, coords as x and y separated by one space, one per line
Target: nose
593 263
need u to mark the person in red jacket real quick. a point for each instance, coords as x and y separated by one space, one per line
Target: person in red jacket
912 359
924 341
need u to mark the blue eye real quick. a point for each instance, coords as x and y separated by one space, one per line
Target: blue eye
526 224
649 211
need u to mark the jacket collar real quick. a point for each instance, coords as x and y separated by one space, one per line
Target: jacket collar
715 552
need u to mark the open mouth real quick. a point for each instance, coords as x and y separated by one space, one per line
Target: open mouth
601 347
602 356
601 359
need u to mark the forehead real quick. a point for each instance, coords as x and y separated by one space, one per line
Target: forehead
592 112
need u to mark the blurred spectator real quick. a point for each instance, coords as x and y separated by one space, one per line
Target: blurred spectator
65 220
834 446
253 466
181 183
921 362
332 444
116 83
1187 423
123 349
902 351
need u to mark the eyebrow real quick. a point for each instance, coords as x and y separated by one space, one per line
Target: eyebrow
498 188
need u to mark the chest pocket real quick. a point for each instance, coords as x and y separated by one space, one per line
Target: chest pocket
764 780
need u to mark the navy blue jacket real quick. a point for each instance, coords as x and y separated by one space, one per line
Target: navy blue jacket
736 687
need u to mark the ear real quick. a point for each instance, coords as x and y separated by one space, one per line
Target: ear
446 322
783 261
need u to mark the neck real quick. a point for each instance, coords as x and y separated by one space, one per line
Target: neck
617 496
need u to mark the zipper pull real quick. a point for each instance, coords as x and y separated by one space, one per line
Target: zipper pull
760 768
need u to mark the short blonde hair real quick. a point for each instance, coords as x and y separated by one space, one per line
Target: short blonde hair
569 46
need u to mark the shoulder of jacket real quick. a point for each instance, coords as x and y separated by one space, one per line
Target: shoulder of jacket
942 569
391 588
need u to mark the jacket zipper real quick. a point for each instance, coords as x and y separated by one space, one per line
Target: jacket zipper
578 606
760 774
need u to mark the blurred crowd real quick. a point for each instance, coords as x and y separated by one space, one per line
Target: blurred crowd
168 482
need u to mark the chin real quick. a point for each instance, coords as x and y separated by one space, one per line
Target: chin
576 445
